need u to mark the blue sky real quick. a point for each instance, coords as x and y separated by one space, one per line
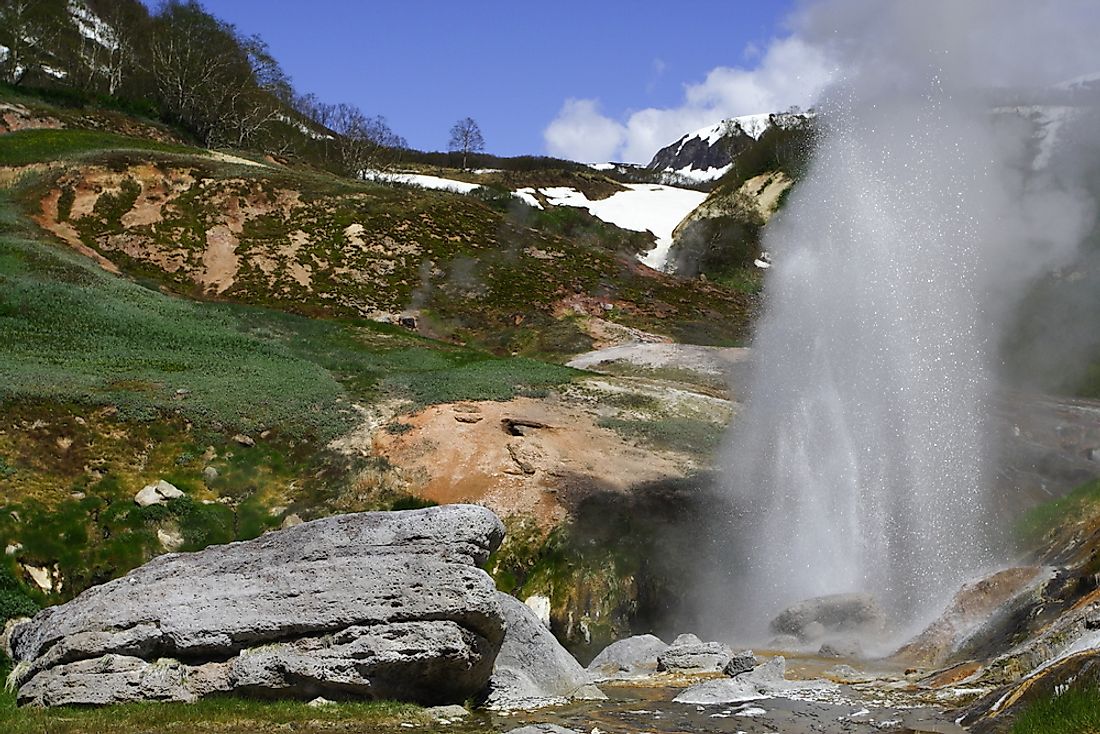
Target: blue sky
514 65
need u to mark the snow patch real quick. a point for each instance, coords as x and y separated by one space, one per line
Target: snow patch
421 180
653 208
527 196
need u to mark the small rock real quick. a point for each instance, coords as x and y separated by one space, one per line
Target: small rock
265 435
243 440
320 701
740 662
154 494
446 713
209 474
77 495
210 454
291 520
80 421
467 417
13 548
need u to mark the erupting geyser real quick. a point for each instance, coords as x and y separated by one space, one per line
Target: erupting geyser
860 460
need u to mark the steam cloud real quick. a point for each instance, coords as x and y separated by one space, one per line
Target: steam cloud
860 461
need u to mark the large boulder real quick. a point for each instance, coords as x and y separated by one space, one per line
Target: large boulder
370 605
532 669
829 616
689 654
633 657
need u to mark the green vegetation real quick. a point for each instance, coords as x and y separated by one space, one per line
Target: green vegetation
223 715
1082 502
31 146
1077 711
695 436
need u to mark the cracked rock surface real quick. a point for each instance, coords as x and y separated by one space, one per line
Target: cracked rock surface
369 605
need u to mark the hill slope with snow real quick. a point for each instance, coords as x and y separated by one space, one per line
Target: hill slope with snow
707 154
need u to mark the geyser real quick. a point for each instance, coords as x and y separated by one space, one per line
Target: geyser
860 460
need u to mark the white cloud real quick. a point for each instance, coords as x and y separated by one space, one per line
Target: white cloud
788 72
581 133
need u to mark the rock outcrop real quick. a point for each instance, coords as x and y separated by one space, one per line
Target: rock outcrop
370 605
828 616
533 669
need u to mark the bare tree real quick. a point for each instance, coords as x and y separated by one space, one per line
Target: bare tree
466 138
365 142
30 30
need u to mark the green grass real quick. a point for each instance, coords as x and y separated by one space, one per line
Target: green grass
694 436
222 715
31 146
1081 502
1077 711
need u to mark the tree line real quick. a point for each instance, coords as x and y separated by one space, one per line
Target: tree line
190 69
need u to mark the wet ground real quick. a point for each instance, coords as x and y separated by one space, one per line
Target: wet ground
837 709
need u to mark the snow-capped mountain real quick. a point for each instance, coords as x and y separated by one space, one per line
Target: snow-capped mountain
707 154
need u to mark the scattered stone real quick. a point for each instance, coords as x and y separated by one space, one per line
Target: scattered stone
243 440
835 614
375 605
633 657
291 520
210 454
77 495
209 474
13 548
155 494
540 605
467 418
740 662
532 669
319 702
686 639
265 435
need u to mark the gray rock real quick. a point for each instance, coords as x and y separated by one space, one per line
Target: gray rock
686 639
155 494
370 605
633 657
701 657
210 474
740 662
836 614
841 649
766 681
543 729
532 669
446 713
